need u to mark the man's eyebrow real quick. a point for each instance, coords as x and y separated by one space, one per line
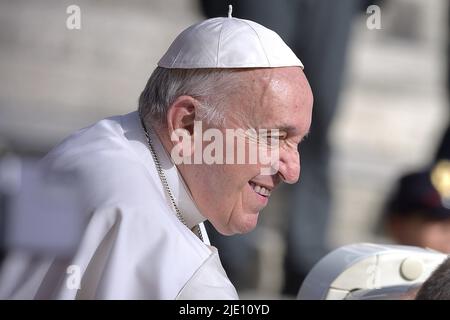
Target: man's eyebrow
286 128
289 128
282 127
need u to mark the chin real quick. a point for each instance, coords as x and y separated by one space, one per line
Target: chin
244 224
247 224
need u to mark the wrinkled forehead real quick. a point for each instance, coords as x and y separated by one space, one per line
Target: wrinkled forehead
276 95
275 83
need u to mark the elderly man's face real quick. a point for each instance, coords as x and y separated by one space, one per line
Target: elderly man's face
230 196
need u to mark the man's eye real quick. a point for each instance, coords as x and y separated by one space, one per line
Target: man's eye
272 137
275 139
279 136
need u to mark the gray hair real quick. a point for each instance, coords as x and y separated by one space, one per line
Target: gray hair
209 86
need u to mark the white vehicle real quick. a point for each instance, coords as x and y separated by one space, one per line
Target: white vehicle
367 271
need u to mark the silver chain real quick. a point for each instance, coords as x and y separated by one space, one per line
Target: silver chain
163 179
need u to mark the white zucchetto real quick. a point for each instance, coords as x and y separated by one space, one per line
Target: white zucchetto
228 43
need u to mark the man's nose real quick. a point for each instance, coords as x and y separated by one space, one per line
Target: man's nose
289 166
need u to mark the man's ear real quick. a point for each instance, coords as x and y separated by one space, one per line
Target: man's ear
181 116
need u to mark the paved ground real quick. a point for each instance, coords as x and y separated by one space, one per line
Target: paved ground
393 107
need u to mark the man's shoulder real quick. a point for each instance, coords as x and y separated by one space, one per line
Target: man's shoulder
104 134
105 141
105 161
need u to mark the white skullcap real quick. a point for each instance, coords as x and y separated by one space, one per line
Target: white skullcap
228 43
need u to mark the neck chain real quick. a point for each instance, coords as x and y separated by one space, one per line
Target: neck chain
164 183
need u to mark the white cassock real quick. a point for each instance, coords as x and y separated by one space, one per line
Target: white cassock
134 246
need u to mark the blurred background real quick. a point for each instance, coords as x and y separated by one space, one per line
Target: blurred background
387 113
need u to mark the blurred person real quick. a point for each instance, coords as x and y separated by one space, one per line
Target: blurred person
319 32
437 286
145 237
418 212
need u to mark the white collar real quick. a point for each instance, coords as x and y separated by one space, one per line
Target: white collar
180 192
177 185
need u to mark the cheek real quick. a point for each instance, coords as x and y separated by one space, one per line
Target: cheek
238 191
444 237
208 192
238 181
225 185
437 237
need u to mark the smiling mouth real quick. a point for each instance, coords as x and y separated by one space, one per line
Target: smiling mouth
259 189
